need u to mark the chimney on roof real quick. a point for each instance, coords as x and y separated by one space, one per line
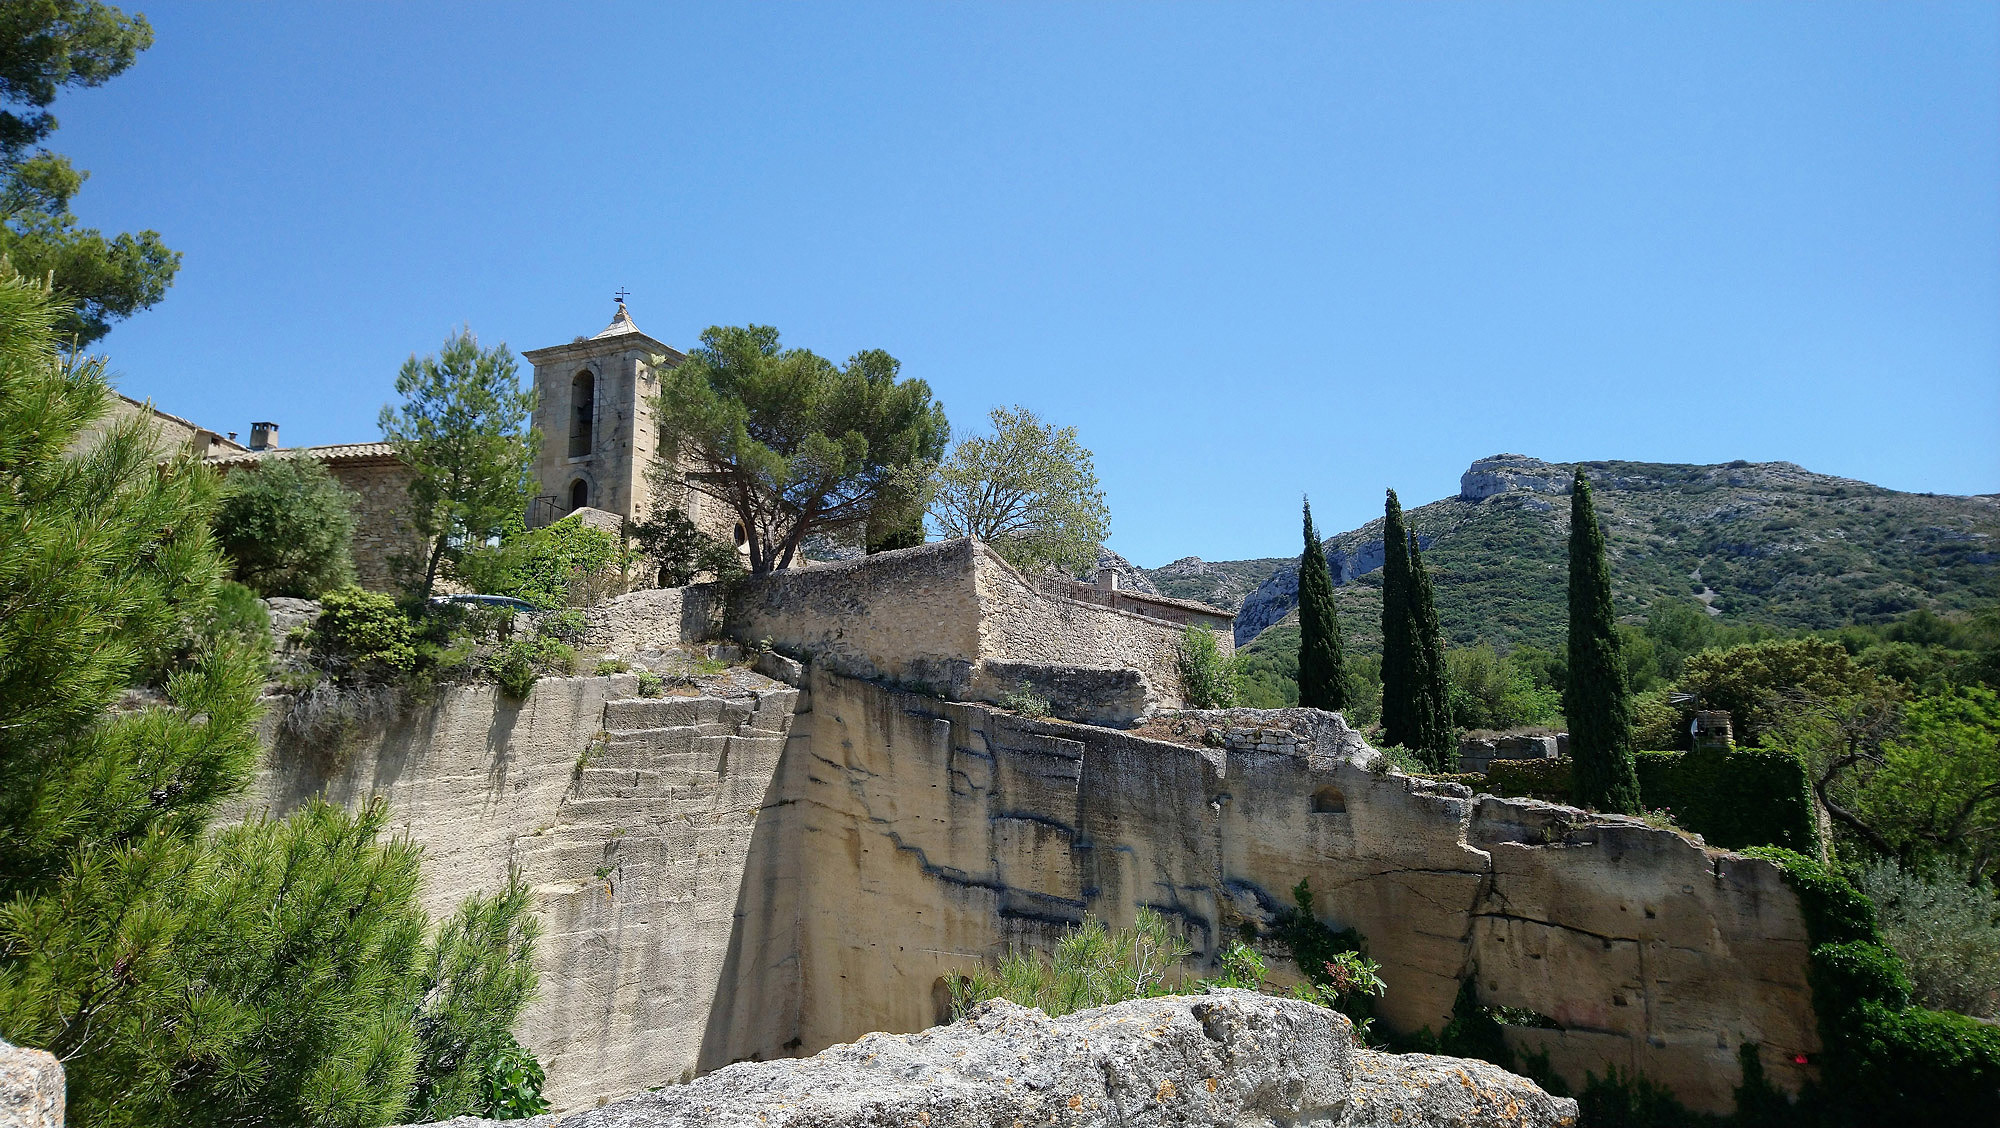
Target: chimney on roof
1107 579
263 436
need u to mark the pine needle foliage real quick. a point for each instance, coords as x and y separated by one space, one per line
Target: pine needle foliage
1597 701
1322 663
463 429
272 973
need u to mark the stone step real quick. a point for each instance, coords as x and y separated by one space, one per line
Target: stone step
673 712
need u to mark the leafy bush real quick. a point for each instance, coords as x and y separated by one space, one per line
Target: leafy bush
287 527
1744 797
1883 1058
1946 931
1205 673
681 551
1533 779
1749 681
1024 700
564 564
1489 691
363 637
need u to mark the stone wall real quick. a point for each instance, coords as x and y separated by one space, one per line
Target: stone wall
953 619
935 833
382 530
633 819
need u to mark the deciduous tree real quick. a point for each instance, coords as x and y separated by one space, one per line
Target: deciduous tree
1029 490
794 445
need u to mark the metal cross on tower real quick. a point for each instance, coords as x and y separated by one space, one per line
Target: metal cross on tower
621 295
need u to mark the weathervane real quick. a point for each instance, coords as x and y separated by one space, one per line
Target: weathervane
621 295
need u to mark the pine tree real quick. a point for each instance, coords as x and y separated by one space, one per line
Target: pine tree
1400 715
1322 666
273 973
1597 701
1431 692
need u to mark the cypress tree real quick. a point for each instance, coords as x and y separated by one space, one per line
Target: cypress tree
1322 666
1399 676
1597 701
1431 696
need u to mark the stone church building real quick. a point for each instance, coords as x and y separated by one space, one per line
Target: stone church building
593 412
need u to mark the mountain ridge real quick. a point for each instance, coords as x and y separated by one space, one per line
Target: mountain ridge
1766 542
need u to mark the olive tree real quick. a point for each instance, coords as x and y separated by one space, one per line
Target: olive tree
1029 490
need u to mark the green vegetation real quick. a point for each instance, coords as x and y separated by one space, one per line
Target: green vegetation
46 46
1743 797
274 971
563 564
463 430
795 446
680 550
287 527
1415 701
1205 674
1322 670
1945 929
1596 700
1495 692
1029 490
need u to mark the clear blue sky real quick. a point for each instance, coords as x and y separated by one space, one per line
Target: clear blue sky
1250 251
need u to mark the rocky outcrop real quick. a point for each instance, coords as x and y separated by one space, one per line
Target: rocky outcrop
1504 473
1131 577
31 1088
1224 1058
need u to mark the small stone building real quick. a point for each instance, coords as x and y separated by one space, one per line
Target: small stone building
380 483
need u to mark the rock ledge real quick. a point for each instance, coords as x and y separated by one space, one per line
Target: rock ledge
1224 1058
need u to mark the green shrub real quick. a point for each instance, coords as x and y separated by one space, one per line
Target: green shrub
564 564
650 684
287 527
1533 779
362 637
1024 700
609 666
1205 673
1883 1059
1945 929
683 553
1744 797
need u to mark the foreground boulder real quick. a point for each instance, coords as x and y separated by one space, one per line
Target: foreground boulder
31 1088
1224 1058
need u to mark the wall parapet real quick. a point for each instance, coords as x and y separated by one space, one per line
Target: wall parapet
954 620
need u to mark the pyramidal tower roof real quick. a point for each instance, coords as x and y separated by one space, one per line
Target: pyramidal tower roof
621 324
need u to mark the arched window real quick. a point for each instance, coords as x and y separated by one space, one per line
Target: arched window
582 412
579 494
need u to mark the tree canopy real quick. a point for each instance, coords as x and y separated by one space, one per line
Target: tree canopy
1322 663
276 971
463 428
1597 701
1029 490
288 528
793 444
46 46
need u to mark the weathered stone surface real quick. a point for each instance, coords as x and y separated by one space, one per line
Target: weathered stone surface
31 1088
1225 1058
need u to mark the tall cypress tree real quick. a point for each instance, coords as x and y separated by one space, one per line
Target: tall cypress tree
1597 701
1322 666
1430 693
1399 675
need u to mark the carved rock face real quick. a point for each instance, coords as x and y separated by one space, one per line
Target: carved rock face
1225 1058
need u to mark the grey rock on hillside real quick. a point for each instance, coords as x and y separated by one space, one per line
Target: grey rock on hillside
1131 577
1225 1058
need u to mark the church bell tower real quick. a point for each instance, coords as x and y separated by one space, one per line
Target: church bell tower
594 410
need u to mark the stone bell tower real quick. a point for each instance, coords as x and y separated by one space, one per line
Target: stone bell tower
594 409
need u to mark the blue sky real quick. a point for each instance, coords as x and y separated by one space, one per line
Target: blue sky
1249 251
